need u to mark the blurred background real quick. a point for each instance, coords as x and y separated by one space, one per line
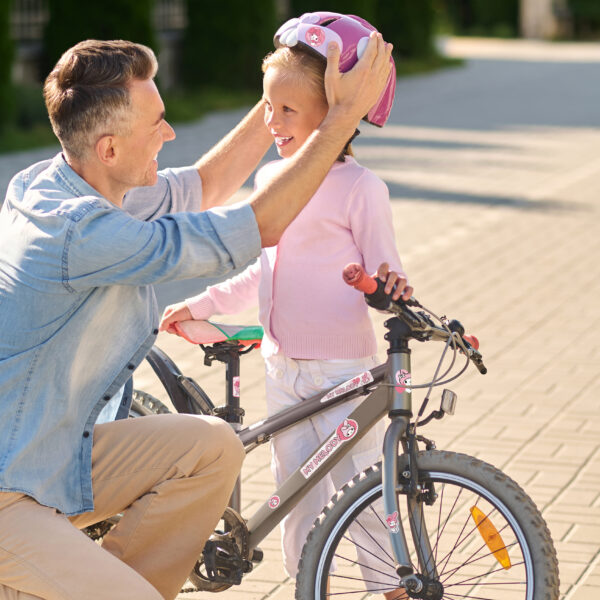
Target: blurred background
209 52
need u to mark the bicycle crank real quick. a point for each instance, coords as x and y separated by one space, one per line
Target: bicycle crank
225 558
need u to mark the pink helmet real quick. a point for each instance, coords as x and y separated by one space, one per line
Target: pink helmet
315 30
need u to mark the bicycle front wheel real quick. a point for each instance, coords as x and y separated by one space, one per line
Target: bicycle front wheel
487 539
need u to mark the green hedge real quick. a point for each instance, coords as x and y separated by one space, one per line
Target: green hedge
225 42
585 18
481 17
6 52
72 21
363 8
409 25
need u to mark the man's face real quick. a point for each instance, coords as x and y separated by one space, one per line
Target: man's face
139 146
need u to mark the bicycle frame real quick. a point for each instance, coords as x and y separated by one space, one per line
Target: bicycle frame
388 391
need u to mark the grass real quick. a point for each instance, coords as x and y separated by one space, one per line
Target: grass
31 128
406 68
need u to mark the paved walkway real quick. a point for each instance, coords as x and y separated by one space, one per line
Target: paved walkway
494 173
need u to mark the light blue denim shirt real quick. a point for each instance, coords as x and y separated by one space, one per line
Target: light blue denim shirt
78 312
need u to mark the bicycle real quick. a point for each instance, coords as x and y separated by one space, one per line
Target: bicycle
468 530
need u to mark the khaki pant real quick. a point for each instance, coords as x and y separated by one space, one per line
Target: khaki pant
170 475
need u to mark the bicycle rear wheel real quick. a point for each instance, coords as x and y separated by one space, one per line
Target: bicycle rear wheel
488 540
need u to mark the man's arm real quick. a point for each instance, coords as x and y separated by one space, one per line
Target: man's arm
228 164
350 96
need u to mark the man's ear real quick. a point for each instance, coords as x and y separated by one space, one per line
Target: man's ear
105 150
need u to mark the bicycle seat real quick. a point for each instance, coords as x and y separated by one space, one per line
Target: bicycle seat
207 332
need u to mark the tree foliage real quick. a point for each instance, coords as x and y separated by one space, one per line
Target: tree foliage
6 52
225 42
71 22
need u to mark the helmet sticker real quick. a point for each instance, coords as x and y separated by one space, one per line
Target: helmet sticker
274 501
315 37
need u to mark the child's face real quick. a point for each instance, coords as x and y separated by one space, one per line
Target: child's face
293 109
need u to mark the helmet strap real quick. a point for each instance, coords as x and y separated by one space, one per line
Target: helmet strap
345 151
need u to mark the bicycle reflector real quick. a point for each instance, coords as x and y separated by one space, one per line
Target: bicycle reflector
491 537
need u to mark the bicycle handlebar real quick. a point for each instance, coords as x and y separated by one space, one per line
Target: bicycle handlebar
375 296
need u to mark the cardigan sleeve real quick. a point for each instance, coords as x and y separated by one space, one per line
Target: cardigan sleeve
371 223
229 297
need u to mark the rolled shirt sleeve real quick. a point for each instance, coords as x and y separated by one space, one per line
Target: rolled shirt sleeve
108 246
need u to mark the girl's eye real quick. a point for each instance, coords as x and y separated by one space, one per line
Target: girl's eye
288 109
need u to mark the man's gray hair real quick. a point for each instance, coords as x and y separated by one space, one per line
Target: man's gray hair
87 93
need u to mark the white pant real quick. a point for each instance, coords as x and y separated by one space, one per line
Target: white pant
288 382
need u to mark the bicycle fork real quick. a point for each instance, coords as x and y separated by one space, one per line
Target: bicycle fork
400 414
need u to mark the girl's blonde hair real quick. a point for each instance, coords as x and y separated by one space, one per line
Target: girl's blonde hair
297 62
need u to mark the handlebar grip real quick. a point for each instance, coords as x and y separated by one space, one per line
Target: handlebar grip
372 288
356 276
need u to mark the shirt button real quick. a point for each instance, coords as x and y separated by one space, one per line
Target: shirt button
155 331
106 398
131 367
86 434
279 374
318 380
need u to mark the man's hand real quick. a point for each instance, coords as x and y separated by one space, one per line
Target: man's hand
356 91
392 279
173 314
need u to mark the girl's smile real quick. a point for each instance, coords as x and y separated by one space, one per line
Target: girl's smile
293 109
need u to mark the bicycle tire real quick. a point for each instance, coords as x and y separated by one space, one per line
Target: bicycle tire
144 404
467 566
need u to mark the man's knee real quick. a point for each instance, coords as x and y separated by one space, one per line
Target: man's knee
217 443
232 447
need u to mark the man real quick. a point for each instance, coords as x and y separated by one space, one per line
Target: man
83 238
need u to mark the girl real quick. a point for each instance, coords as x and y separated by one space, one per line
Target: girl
317 330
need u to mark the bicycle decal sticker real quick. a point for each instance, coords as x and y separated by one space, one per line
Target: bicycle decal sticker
315 37
392 521
348 386
274 501
403 379
345 431
236 387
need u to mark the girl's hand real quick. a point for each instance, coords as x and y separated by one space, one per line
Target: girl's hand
392 279
173 314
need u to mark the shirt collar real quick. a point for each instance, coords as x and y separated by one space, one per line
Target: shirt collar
72 181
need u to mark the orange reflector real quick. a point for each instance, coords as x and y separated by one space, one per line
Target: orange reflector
491 537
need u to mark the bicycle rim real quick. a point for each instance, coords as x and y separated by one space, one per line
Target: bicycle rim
470 561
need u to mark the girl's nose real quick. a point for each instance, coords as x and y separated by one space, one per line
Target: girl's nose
272 119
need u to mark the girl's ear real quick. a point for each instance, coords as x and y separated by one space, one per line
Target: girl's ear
105 150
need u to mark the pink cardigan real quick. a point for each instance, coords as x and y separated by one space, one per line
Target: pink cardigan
306 309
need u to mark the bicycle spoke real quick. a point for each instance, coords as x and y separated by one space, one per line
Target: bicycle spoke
362 565
470 597
474 560
372 538
444 561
